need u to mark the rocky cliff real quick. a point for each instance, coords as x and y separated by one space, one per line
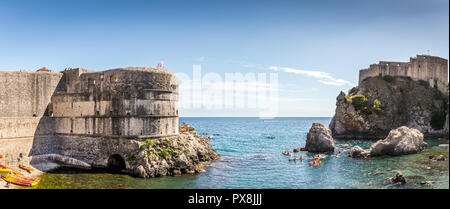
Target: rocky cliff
185 153
380 104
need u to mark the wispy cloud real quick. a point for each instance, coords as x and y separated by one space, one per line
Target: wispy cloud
322 77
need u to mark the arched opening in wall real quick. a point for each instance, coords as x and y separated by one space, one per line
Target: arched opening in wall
116 163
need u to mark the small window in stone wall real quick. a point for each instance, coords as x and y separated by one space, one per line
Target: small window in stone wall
114 78
91 81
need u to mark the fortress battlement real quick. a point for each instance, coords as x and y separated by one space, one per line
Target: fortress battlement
432 69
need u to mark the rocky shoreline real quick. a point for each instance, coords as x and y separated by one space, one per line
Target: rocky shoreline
186 153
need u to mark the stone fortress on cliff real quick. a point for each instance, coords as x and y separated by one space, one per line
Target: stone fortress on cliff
84 115
432 69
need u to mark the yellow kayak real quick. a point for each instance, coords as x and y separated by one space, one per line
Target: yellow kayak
4 171
29 169
23 181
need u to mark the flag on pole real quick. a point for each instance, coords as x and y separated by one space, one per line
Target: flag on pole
160 64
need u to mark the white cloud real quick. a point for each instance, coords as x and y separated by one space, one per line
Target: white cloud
322 77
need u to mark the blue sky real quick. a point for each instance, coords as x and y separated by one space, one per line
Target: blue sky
333 38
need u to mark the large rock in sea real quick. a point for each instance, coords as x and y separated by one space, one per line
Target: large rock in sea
399 178
370 110
400 141
319 139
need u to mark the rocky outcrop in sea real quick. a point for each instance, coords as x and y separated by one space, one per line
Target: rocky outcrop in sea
379 104
319 139
400 141
184 153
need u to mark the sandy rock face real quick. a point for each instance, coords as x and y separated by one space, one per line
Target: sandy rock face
400 141
319 139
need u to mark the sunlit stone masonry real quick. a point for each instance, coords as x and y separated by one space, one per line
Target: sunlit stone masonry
84 118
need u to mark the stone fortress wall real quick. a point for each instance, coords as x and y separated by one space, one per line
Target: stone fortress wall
432 69
24 99
85 115
131 102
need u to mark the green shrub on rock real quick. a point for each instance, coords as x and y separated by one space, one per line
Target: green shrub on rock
376 105
424 83
388 78
131 158
353 91
164 152
359 102
147 144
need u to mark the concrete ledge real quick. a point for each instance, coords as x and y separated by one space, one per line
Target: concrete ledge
48 162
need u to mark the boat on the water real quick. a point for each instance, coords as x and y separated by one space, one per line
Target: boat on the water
286 153
299 158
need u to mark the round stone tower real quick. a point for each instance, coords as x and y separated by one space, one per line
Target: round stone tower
132 102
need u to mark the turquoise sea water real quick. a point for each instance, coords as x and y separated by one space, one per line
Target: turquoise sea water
251 160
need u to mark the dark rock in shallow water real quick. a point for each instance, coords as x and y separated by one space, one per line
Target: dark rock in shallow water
319 139
297 149
399 178
437 158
